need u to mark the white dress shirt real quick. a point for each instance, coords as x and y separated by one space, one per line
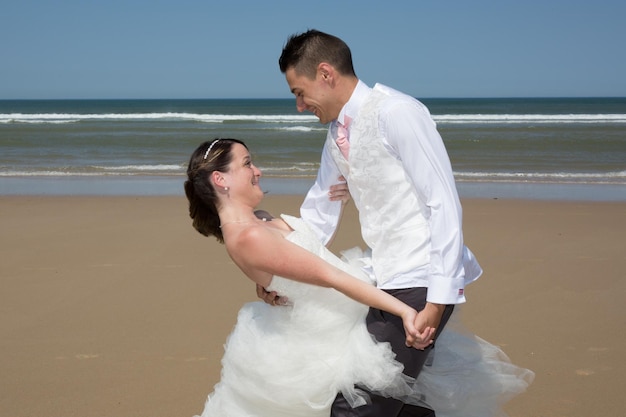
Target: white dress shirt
409 135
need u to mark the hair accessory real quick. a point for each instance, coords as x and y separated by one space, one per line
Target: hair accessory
210 147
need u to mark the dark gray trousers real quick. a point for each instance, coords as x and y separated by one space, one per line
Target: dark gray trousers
386 327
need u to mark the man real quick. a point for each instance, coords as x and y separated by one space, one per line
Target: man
400 179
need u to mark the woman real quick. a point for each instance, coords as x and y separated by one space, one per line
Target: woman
289 360
292 360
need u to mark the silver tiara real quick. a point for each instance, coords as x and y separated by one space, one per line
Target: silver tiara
210 147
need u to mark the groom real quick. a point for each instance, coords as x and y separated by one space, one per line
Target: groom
399 176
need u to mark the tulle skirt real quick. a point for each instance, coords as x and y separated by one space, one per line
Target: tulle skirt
292 361
466 376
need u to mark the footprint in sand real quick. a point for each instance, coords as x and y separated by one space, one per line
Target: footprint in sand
584 372
598 349
87 356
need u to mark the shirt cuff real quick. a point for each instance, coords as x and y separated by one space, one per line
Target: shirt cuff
445 290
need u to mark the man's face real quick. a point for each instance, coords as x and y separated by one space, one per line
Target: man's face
313 95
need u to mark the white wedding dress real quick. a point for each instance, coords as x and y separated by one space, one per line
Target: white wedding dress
289 361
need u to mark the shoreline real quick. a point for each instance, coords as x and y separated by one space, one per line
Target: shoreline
173 186
114 305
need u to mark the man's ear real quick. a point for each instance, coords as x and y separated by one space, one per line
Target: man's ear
326 72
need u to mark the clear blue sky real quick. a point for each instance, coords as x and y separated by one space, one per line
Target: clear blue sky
230 48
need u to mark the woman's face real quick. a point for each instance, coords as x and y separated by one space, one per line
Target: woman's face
243 176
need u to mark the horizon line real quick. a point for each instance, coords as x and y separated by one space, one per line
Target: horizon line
291 98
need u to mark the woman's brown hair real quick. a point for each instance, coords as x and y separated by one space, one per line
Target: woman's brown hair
210 156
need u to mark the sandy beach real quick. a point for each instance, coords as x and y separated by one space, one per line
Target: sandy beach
116 306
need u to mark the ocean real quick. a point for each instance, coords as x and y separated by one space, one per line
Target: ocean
559 148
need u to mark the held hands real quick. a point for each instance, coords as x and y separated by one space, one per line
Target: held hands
340 191
416 338
420 327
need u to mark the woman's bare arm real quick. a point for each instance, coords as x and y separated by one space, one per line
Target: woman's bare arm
261 253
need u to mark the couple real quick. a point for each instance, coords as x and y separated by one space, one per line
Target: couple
315 356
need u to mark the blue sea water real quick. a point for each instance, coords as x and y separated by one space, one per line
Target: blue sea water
564 148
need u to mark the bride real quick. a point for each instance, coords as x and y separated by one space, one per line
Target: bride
294 359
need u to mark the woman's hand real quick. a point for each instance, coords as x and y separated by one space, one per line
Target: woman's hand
414 337
425 324
424 339
270 297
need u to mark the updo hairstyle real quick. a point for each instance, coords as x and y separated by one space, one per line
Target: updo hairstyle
210 156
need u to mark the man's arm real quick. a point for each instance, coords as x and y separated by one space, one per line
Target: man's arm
413 136
318 209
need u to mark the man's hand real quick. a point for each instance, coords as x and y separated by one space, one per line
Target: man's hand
270 297
418 339
340 191
426 324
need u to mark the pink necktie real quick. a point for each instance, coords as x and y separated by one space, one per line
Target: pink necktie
342 136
